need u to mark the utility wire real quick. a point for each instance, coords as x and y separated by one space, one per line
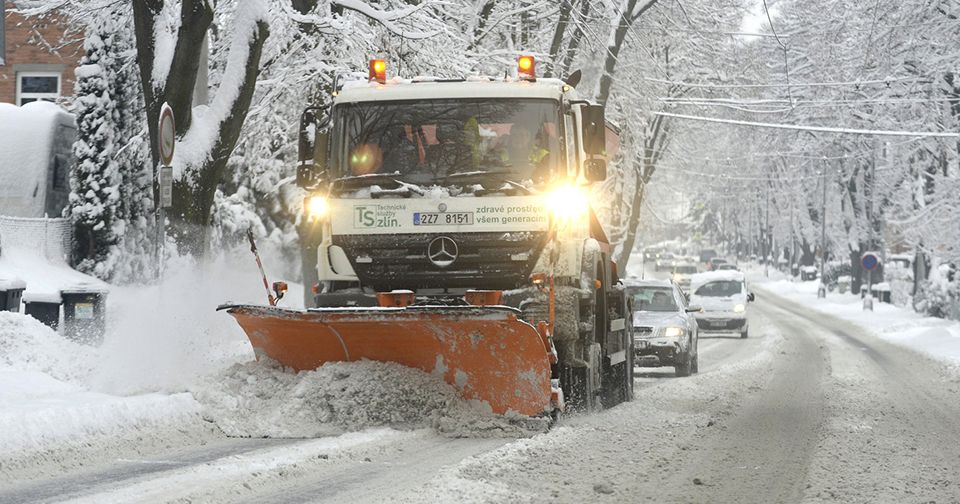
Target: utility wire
808 84
823 129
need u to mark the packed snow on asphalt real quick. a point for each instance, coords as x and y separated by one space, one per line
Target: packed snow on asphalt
818 405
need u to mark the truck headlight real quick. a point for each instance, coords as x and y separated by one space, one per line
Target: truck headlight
317 207
568 202
673 332
740 308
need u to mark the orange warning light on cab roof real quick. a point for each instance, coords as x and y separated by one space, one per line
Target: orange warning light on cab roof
526 68
378 71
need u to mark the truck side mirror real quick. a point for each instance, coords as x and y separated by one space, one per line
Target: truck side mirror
594 128
312 149
595 170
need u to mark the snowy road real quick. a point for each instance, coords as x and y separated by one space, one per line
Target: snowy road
809 409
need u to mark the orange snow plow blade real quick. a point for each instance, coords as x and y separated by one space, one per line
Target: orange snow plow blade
486 353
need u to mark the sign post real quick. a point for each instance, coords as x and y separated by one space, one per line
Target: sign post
166 142
870 261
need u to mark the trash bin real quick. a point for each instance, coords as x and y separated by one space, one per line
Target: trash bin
84 314
46 311
808 273
11 291
881 292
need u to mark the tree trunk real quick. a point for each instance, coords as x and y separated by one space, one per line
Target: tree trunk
193 195
566 6
627 17
574 43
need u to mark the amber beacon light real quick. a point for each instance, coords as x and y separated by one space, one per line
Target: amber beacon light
378 71
526 68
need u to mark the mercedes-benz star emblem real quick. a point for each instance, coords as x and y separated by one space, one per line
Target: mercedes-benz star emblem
442 251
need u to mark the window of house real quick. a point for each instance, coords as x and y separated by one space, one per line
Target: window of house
33 86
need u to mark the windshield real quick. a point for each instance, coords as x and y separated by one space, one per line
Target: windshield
425 141
658 299
685 269
720 288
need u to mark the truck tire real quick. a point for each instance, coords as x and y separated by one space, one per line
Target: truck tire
618 378
581 375
683 367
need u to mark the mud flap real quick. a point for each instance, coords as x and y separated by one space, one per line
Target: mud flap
486 353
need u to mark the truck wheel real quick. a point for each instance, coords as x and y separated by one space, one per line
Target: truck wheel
579 383
683 367
582 381
618 378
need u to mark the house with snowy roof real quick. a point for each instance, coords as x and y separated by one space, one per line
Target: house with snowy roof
37 56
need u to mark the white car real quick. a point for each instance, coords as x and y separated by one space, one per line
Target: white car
682 273
724 297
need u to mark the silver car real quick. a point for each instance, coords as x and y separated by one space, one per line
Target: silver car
664 329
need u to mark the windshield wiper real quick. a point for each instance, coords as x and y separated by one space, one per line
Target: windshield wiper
497 175
373 178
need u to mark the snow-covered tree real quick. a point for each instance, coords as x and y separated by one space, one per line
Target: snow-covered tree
110 202
95 183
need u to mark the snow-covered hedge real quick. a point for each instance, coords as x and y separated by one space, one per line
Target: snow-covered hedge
939 296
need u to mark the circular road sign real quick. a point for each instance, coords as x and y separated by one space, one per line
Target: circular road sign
870 261
166 138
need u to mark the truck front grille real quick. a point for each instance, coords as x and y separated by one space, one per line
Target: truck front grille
502 260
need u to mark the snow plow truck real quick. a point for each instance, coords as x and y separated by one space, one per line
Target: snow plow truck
455 233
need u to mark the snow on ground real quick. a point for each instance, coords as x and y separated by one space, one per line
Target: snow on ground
580 459
934 337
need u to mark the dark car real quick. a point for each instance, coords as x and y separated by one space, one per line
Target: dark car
707 254
664 329
714 263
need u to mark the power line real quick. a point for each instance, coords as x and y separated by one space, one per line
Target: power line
807 84
823 129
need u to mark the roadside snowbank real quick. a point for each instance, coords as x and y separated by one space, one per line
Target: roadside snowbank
44 404
936 338
261 399
29 346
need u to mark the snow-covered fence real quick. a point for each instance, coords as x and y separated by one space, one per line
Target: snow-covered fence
53 238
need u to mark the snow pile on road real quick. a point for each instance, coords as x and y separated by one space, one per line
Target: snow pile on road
27 345
47 410
262 399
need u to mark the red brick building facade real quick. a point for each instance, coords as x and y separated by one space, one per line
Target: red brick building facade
37 57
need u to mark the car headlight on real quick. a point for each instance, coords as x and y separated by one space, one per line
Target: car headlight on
316 207
673 332
740 308
568 202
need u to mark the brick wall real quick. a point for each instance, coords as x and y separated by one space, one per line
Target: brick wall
38 44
